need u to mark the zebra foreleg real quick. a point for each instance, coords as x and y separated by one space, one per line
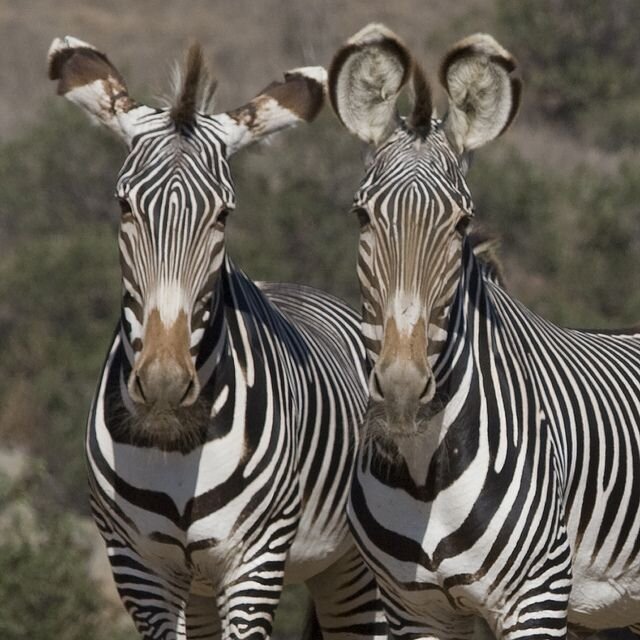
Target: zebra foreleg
156 603
539 614
248 602
346 600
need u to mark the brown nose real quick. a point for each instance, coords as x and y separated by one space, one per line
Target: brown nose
164 373
163 382
402 383
402 378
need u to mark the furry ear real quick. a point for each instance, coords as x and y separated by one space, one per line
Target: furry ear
279 106
365 79
87 78
483 97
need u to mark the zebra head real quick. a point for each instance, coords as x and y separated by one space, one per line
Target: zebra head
413 204
175 191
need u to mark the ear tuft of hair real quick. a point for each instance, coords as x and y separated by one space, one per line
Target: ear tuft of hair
195 89
480 45
365 78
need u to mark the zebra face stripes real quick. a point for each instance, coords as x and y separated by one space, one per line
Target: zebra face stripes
413 204
175 193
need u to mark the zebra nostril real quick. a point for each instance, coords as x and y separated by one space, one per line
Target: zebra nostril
189 391
139 388
186 393
429 390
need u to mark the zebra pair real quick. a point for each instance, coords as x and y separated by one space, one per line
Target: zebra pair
497 480
223 433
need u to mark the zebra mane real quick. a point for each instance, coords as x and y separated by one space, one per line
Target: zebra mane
192 88
485 247
420 119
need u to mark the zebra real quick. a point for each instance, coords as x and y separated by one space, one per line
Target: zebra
497 475
223 432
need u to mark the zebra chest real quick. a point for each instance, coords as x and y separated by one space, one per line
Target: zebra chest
173 501
418 540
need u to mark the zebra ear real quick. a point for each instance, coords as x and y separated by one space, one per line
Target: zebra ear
365 79
483 97
279 106
87 78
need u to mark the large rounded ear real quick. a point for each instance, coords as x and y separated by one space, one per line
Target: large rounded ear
279 106
87 78
365 79
483 97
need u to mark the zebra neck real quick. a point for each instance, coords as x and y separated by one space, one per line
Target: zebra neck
214 345
232 338
460 321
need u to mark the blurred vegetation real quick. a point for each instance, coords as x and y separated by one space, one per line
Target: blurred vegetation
570 245
581 63
45 589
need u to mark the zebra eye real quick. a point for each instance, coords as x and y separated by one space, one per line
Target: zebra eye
222 217
363 216
463 224
125 207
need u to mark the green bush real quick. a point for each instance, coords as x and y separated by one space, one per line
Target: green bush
569 242
293 222
45 590
59 284
581 63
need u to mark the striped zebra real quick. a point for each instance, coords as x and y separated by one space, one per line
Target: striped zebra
223 433
498 476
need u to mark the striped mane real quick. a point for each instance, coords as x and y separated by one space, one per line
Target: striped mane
193 89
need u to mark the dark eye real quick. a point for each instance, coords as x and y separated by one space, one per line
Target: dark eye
363 216
463 224
125 207
222 217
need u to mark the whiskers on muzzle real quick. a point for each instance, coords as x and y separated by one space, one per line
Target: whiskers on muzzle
386 434
384 422
166 428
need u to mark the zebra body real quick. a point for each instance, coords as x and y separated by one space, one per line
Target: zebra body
265 485
222 436
520 488
496 480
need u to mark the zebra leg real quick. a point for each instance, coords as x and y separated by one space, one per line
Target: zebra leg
346 600
156 603
247 604
203 621
537 610
437 622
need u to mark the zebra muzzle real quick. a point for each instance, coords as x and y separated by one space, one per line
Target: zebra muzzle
164 373
402 376
163 383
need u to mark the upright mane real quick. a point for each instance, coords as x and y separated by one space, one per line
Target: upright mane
193 88
485 247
